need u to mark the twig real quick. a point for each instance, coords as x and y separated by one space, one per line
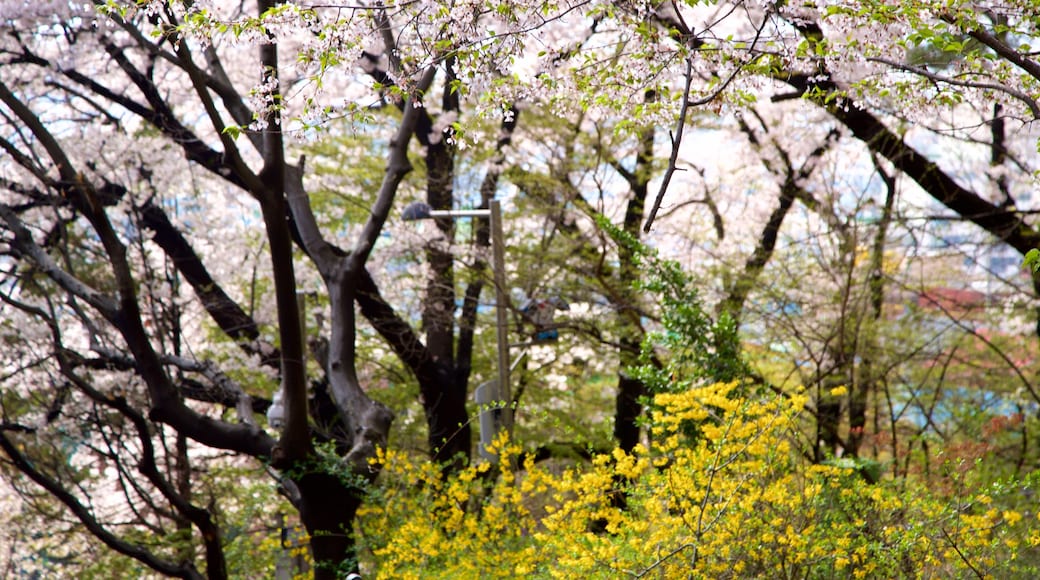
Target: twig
960 554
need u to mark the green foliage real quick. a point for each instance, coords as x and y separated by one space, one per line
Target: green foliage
699 348
734 499
737 501
1032 260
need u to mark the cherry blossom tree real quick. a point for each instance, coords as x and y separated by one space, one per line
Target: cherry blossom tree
116 117
902 86
158 221
131 129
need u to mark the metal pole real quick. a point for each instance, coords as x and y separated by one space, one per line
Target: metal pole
503 396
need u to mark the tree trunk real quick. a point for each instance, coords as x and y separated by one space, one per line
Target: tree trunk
630 391
328 505
443 394
629 407
868 378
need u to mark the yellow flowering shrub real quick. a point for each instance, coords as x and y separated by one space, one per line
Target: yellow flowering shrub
722 492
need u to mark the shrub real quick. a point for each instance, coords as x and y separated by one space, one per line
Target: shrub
736 500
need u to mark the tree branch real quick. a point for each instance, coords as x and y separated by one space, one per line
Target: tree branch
1007 225
217 78
83 514
24 243
1030 102
676 138
325 255
228 315
1000 47
216 565
397 167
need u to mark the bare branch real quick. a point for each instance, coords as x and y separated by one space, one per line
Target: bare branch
25 244
676 141
397 167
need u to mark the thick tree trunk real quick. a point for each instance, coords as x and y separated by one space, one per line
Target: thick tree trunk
629 408
328 505
443 394
828 420
444 402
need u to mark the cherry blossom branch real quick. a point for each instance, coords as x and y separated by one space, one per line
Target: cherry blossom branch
26 163
791 189
136 551
1000 47
216 79
1006 225
389 42
100 108
122 311
161 116
231 158
716 216
228 392
1030 102
676 138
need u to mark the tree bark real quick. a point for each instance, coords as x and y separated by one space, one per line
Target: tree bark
328 506
444 395
630 391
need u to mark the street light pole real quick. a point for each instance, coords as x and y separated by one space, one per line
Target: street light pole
499 396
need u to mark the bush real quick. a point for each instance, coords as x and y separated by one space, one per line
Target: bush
736 500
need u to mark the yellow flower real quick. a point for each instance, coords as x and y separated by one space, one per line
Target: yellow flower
1012 517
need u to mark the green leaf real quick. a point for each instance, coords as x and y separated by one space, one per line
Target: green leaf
1032 260
233 130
